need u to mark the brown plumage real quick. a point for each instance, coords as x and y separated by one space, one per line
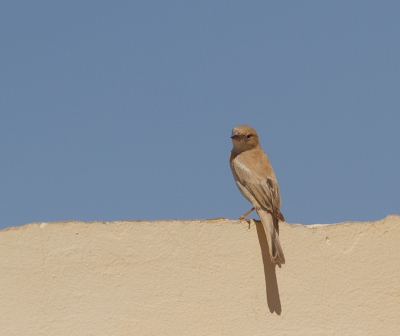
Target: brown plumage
256 181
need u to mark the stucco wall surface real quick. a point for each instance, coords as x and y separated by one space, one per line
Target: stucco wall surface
199 277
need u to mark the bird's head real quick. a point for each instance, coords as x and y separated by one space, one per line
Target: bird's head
244 138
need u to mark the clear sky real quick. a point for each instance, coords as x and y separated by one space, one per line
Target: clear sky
123 110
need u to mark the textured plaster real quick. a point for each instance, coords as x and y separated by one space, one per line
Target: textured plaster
199 277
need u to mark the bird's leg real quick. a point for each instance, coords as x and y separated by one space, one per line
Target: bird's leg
246 213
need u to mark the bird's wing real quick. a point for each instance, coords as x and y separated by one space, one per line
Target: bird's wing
261 185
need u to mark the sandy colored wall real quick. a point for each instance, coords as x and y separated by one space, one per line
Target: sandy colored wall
200 277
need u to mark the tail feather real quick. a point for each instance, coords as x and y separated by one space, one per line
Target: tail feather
271 228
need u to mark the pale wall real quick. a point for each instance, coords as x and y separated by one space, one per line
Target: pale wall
200 277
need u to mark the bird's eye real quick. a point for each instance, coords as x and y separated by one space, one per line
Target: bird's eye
248 136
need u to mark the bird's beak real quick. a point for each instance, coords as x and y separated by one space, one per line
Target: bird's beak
235 136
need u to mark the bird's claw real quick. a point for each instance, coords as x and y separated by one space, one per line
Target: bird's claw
248 220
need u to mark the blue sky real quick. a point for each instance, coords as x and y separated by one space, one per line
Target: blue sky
123 110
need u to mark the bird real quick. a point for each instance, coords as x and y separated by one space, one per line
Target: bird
256 180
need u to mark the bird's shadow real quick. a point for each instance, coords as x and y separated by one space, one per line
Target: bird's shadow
271 284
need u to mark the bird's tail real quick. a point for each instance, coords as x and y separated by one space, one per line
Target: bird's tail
270 224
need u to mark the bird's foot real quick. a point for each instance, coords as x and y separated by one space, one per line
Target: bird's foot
248 220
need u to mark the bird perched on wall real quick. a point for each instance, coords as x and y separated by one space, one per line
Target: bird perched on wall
256 181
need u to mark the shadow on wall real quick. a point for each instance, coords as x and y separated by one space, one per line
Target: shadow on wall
271 284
